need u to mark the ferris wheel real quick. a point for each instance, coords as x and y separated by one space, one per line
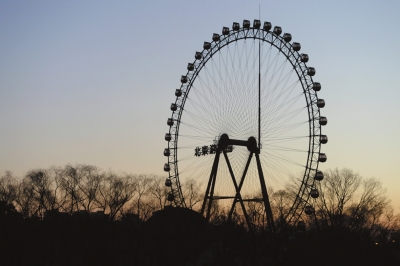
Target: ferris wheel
248 94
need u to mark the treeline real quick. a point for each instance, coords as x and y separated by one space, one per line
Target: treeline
80 215
353 223
345 201
73 189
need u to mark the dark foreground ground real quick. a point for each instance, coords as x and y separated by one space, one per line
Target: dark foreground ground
177 236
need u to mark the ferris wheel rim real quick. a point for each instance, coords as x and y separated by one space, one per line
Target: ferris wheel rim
307 83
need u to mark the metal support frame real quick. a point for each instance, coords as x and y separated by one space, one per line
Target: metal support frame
251 145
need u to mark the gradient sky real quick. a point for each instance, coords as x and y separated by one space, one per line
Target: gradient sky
90 82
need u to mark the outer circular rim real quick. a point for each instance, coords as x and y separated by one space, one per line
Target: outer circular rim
294 57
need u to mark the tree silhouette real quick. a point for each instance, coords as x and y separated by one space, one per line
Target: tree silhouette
349 201
82 215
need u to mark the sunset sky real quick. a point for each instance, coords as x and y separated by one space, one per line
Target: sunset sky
91 82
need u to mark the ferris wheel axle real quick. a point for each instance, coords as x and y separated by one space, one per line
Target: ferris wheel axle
250 143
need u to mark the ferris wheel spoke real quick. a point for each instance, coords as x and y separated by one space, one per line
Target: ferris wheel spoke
194 137
279 172
203 115
286 90
289 104
186 157
285 138
286 129
284 119
202 104
283 158
269 65
287 141
281 76
276 173
198 129
270 94
272 76
194 165
201 121
282 148
205 83
266 62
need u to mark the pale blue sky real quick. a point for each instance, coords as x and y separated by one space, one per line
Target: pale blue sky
91 81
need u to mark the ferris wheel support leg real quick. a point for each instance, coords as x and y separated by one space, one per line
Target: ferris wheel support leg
240 187
268 211
238 196
210 187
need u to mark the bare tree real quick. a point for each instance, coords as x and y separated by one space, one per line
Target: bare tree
388 226
70 180
256 211
281 202
8 187
24 199
35 194
348 200
218 215
157 193
115 192
191 194
138 206
89 186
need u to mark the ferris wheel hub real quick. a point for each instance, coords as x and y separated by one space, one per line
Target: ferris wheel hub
250 143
